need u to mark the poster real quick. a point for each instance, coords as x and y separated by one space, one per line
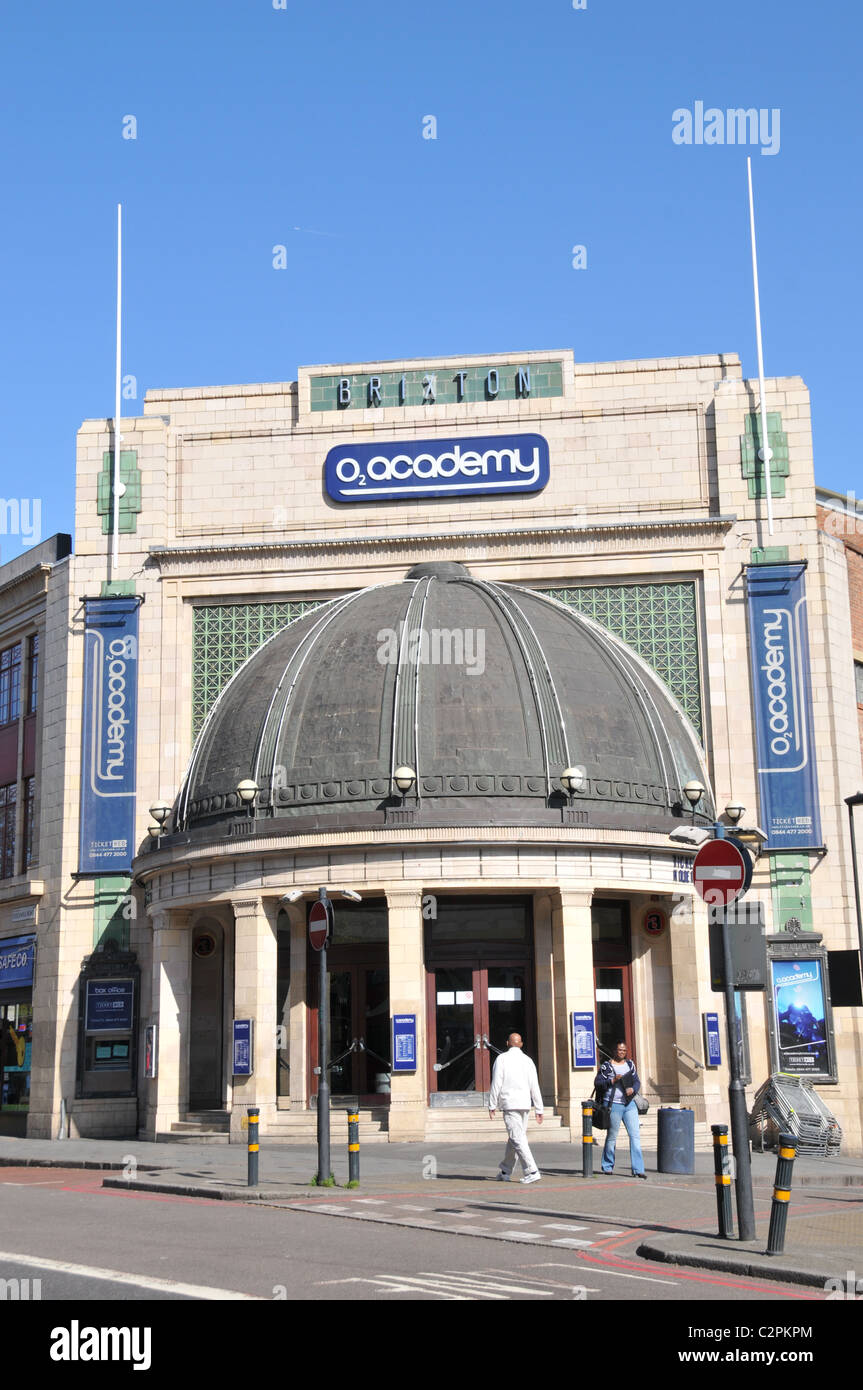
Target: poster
800 1016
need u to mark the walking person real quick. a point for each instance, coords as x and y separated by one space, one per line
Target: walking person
617 1085
515 1088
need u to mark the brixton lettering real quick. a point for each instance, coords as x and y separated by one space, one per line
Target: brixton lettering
437 468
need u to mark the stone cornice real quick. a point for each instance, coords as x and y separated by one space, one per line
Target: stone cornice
690 532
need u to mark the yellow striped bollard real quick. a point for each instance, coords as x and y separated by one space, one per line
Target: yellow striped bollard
353 1146
723 1180
781 1194
254 1147
587 1140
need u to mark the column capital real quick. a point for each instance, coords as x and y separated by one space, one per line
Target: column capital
404 898
577 898
248 905
170 918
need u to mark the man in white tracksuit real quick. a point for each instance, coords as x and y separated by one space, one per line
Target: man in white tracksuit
515 1087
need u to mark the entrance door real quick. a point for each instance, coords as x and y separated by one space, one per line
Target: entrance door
613 1007
205 1017
473 1006
15 1042
359 1034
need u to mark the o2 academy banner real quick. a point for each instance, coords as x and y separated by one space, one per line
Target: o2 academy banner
107 828
779 647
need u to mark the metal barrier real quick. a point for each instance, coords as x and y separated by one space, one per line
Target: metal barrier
781 1194
721 1168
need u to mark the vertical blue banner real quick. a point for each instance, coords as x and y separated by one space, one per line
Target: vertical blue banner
583 1040
107 826
244 1047
782 686
712 1045
404 1042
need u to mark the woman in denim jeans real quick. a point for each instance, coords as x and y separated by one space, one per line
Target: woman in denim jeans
617 1085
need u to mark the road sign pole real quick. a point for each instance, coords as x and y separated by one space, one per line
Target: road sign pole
737 1101
323 1059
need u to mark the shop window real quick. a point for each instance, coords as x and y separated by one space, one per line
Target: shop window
858 681
8 806
10 684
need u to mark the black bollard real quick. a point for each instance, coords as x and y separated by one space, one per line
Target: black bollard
781 1194
353 1147
254 1113
587 1139
723 1180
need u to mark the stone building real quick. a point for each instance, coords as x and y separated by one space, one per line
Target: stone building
467 627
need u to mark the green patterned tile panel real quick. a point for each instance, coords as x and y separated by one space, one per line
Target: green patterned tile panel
450 386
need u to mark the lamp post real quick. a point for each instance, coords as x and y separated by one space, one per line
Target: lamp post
404 778
693 791
851 802
572 781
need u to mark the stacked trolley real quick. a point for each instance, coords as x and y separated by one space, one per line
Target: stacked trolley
787 1104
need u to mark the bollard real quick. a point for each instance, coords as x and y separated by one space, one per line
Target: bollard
723 1180
353 1146
781 1194
254 1113
587 1140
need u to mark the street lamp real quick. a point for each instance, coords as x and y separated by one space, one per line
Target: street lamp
160 811
851 802
693 791
154 831
735 812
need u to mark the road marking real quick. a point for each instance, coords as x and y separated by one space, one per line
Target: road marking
456 1287
410 1208
565 1226
514 1220
142 1281
568 1240
598 1269
371 1201
518 1235
611 1233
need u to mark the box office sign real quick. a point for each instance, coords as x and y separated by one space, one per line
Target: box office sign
801 1028
779 646
417 468
109 1006
107 825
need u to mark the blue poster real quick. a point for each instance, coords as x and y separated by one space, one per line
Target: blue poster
107 829
800 1012
109 1006
17 954
244 1059
404 1042
782 686
712 1046
583 1040
418 468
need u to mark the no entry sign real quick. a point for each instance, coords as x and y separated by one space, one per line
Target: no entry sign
721 871
320 924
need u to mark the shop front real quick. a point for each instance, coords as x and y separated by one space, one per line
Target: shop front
17 960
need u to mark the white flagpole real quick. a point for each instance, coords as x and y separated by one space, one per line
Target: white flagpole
115 489
765 451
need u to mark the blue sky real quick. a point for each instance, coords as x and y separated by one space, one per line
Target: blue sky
553 129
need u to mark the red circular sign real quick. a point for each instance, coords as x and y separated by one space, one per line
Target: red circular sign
719 872
320 923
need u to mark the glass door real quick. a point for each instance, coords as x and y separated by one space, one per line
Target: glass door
359 1034
473 1008
613 1008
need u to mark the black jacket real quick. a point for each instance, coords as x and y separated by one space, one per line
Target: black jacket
606 1081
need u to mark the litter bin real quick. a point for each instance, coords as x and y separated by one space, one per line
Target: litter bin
676 1140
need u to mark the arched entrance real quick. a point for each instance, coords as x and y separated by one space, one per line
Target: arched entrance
206 1014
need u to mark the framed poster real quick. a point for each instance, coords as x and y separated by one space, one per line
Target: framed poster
712 1044
800 1022
404 1042
583 1040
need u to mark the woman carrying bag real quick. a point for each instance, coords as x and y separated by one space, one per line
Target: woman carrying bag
617 1085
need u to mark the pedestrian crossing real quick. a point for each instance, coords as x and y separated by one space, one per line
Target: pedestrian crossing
489 1220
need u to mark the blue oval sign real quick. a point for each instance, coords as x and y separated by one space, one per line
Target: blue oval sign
411 468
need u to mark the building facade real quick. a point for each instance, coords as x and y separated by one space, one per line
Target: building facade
527 582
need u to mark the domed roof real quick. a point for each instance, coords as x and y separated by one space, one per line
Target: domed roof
487 691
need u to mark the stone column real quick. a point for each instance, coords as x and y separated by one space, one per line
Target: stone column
544 968
298 1002
690 976
168 1095
255 953
408 1099
572 944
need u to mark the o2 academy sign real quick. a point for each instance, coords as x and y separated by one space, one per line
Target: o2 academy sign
502 464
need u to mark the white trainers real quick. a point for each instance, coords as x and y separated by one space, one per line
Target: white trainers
532 1177
502 1176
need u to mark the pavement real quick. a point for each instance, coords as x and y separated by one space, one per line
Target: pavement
669 1218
